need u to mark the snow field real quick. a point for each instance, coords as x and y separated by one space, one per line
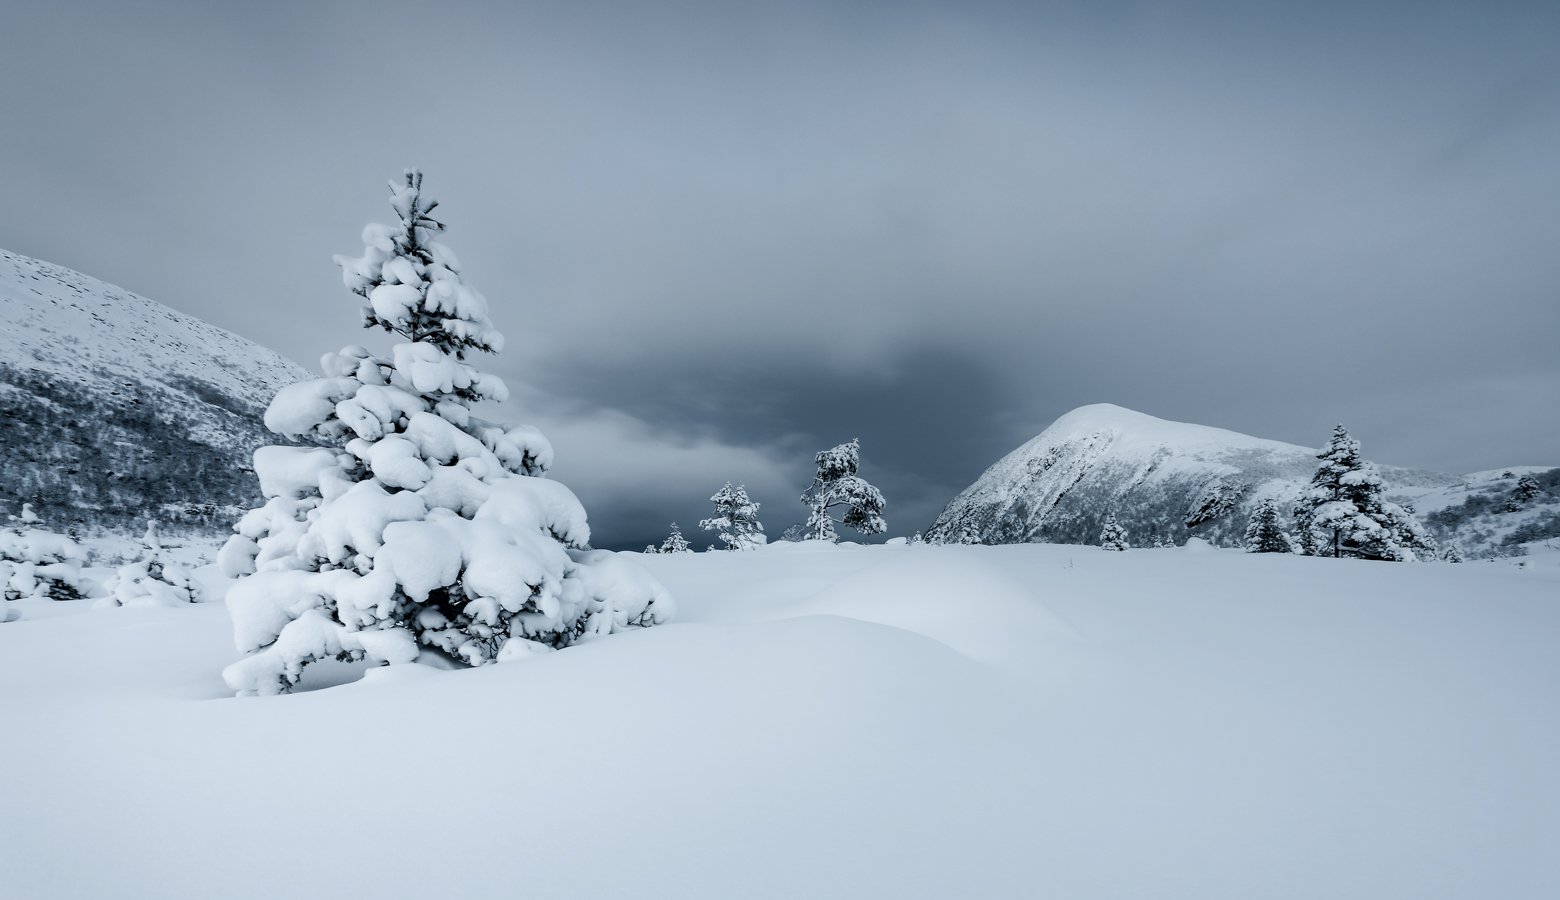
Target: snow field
921 721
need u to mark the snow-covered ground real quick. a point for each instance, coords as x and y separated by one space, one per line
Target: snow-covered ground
1016 721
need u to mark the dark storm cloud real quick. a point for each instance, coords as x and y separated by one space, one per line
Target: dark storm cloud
723 236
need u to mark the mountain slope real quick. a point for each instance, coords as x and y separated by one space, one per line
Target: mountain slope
113 406
1166 481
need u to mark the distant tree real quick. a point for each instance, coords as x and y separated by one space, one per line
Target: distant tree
837 486
651 549
675 542
794 533
1263 534
1113 536
1451 554
1344 513
1527 488
915 539
736 519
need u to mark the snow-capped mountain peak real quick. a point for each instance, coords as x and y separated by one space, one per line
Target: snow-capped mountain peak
1164 480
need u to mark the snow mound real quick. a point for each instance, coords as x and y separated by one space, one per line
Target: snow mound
945 594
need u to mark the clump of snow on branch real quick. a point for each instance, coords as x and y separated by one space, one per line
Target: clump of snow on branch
736 519
36 563
836 486
152 580
413 528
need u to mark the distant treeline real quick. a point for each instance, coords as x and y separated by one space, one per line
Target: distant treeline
92 458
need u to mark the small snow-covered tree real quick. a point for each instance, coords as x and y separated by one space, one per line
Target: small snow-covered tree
1113 536
836 485
1451 554
412 527
1344 513
1527 488
675 542
152 580
36 563
1263 533
736 519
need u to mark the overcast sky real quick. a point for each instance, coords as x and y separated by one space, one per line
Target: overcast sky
722 236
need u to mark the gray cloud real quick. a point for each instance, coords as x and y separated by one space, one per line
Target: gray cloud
722 236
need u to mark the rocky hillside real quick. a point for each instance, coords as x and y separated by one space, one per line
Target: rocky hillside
113 406
1169 481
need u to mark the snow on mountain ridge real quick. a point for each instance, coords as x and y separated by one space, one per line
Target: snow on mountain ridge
61 321
113 406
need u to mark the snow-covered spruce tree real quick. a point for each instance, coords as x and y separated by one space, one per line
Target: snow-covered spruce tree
1343 512
414 528
675 542
836 484
736 519
152 580
36 563
1263 533
1113 536
1527 488
1451 554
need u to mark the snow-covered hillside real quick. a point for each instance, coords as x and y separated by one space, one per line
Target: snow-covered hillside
908 722
1165 481
116 406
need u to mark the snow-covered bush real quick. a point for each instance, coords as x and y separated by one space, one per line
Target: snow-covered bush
836 484
413 527
675 542
1343 512
152 580
1113 536
1264 534
736 519
36 563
